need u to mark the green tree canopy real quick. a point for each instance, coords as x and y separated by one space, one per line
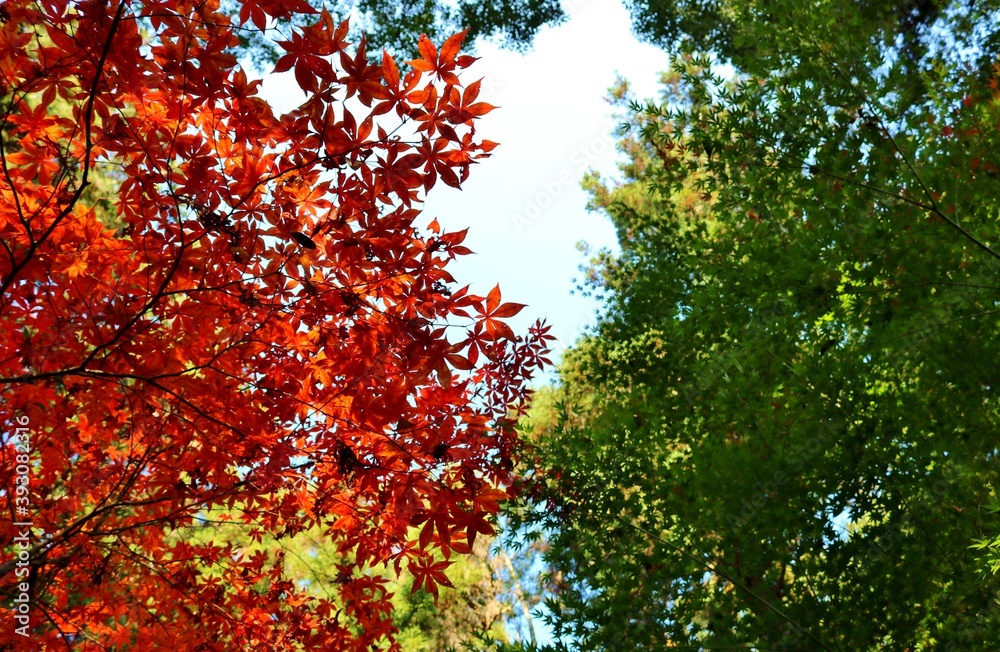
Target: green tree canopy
781 433
737 30
397 25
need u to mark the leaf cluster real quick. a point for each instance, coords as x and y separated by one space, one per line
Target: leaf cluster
263 333
778 434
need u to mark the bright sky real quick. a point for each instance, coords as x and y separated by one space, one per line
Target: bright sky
524 205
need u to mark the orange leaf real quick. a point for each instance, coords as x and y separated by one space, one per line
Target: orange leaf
493 299
427 50
451 47
507 310
390 73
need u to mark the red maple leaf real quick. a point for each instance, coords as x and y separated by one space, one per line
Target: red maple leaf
212 314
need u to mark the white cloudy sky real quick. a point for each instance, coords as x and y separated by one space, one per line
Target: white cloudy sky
524 205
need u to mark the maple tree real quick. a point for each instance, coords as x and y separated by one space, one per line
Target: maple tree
261 333
423 621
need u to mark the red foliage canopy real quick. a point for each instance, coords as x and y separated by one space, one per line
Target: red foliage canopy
258 331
